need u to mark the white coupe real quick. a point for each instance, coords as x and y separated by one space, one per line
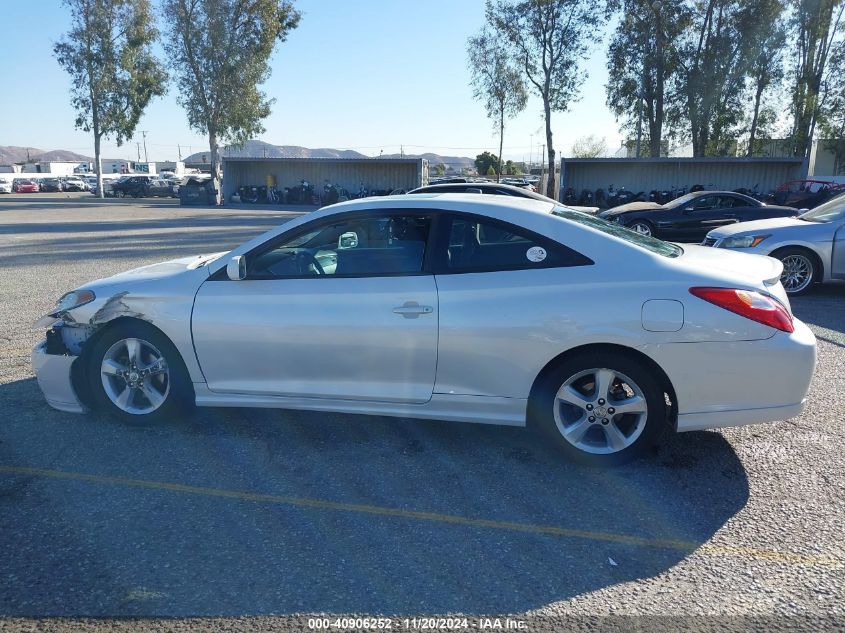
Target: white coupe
453 306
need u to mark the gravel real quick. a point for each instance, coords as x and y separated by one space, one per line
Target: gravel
106 525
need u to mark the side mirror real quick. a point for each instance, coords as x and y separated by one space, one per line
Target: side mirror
236 268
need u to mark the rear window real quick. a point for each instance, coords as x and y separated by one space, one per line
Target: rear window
666 249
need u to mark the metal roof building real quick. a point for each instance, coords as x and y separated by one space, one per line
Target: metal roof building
646 174
349 173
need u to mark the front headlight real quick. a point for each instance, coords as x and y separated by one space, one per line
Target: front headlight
74 299
743 241
67 302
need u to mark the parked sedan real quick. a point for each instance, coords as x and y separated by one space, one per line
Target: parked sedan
458 307
688 218
25 185
811 246
51 184
75 184
5 185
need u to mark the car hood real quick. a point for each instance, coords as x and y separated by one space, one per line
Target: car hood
632 206
755 226
161 270
135 291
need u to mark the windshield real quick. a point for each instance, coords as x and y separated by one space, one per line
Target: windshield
666 249
831 211
677 202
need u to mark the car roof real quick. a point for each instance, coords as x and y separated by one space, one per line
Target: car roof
469 202
518 191
717 192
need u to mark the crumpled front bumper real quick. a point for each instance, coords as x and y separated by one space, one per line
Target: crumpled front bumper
53 372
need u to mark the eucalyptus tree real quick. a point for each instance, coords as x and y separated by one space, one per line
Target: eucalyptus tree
815 27
765 73
219 52
643 65
496 83
108 54
548 40
716 54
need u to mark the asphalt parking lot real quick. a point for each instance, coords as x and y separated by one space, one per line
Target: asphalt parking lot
240 519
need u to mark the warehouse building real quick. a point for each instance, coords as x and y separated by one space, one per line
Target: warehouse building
646 174
352 174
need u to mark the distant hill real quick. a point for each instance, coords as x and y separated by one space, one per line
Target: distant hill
455 162
260 149
13 154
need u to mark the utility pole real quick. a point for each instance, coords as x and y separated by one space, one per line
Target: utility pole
138 145
144 134
179 150
530 151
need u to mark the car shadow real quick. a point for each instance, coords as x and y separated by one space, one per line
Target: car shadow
254 512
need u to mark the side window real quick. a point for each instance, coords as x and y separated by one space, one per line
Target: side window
369 246
729 202
705 203
478 245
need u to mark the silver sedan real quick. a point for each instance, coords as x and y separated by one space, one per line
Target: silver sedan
455 306
811 246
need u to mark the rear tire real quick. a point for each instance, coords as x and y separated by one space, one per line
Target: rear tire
643 227
135 373
800 270
599 408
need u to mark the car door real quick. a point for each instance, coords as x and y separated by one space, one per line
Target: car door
500 287
342 308
697 217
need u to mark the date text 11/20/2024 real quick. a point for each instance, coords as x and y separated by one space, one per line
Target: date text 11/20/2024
416 624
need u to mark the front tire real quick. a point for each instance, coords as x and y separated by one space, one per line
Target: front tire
137 374
800 270
599 408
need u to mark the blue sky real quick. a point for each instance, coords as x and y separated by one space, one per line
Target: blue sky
369 75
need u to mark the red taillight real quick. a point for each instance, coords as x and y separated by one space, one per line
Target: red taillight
749 304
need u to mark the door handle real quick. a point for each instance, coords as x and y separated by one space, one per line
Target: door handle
412 309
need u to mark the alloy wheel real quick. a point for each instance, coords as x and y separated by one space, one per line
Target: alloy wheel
135 376
797 272
600 411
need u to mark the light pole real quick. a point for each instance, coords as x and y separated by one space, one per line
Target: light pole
144 134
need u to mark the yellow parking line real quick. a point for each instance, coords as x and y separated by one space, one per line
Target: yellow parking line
305 502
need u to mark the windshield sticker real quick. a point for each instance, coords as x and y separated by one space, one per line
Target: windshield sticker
536 254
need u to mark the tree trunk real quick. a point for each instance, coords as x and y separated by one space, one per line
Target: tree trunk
97 164
215 168
550 183
656 133
753 133
501 142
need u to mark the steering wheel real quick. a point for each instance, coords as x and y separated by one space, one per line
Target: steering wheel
308 259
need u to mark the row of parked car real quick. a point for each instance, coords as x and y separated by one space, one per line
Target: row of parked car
34 185
136 186
810 243
128 186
